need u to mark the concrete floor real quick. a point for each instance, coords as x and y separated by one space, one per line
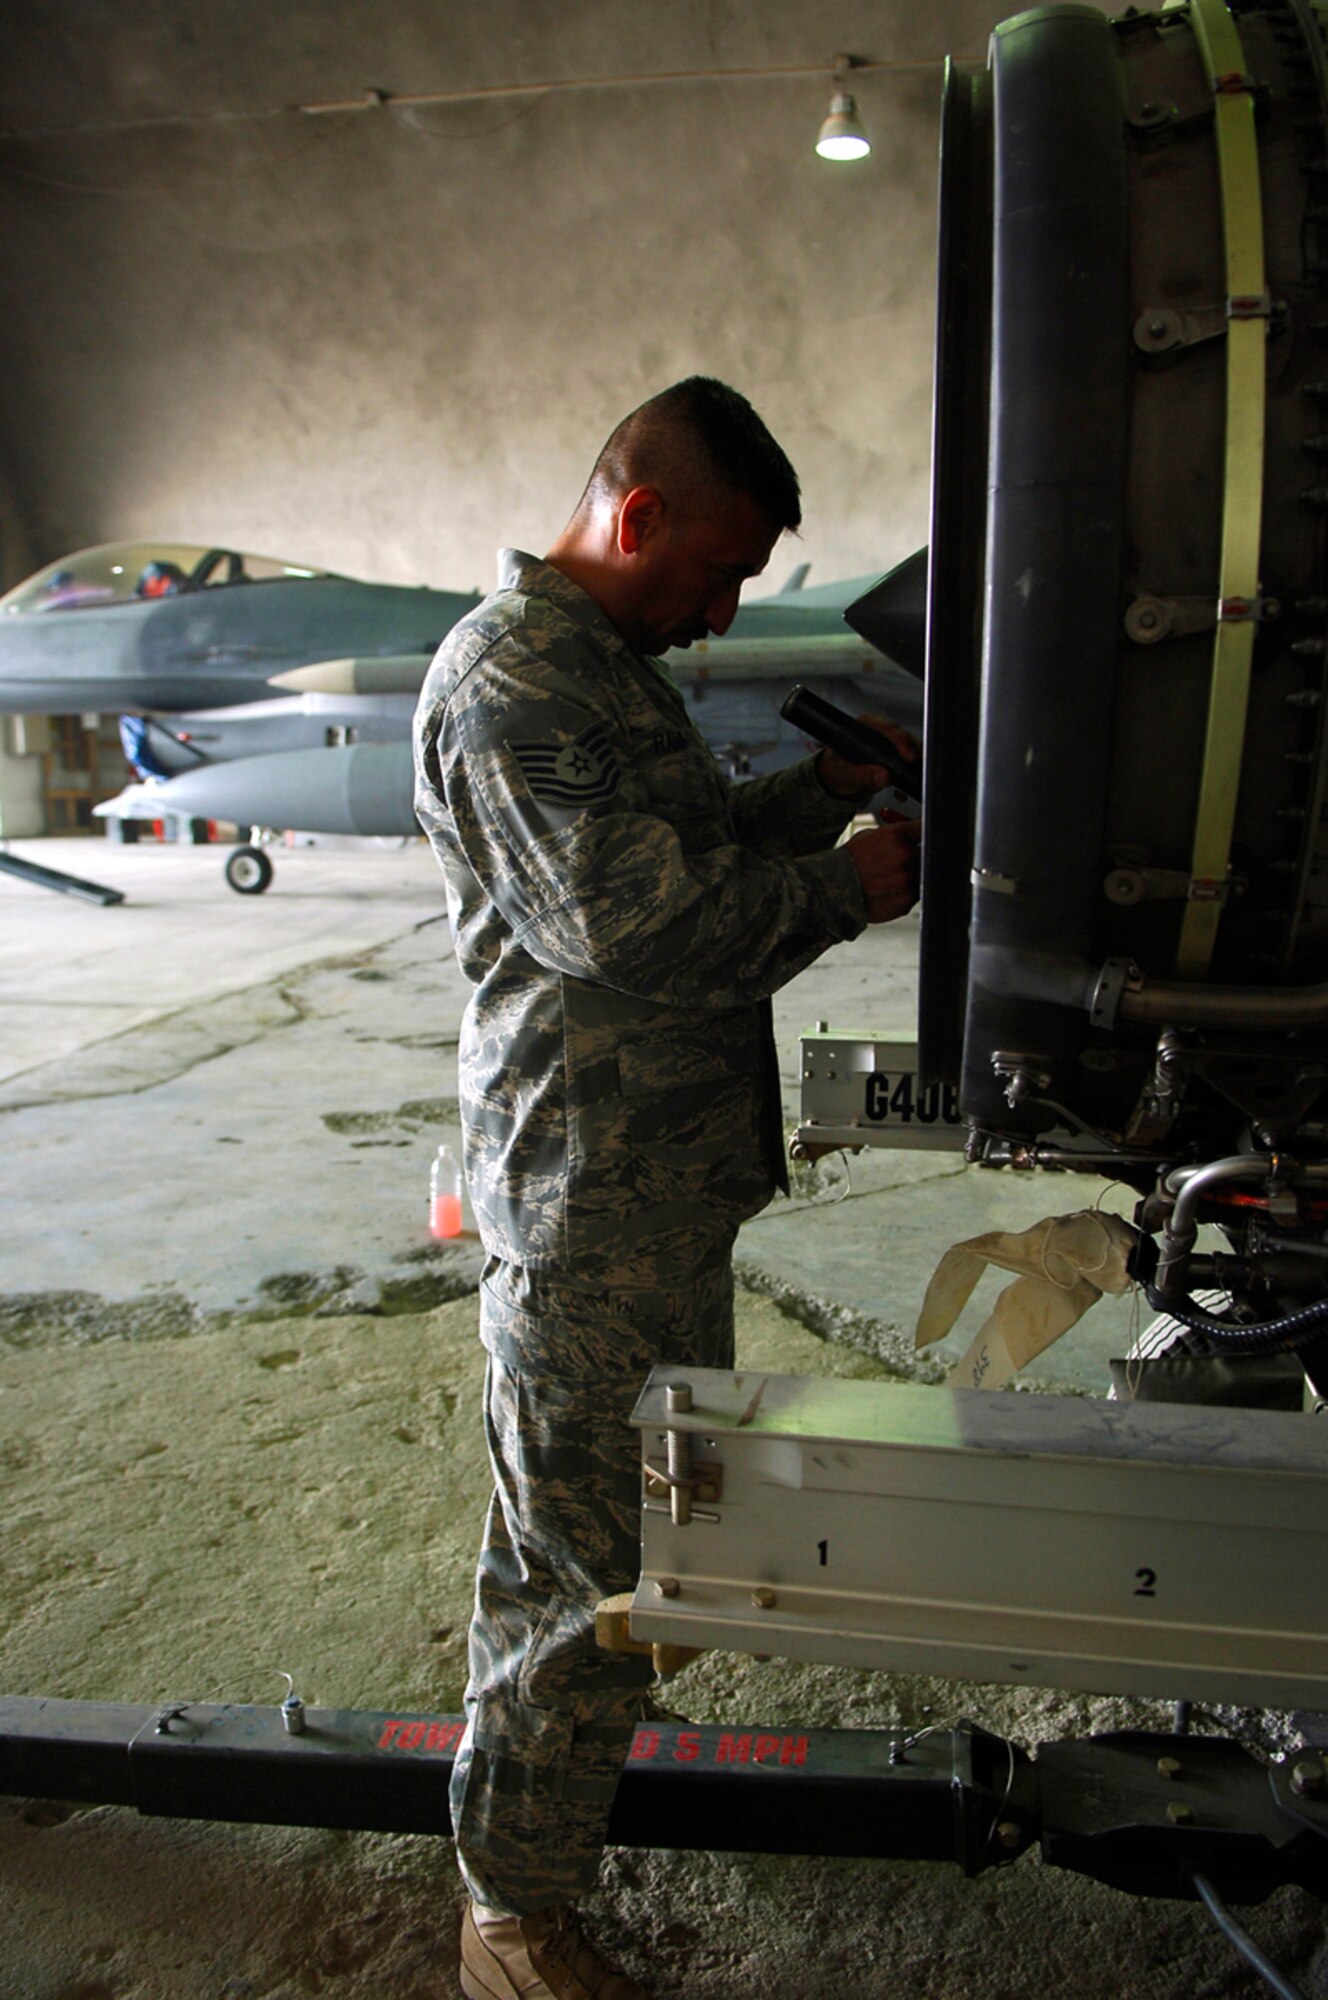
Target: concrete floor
216 1111
225 1094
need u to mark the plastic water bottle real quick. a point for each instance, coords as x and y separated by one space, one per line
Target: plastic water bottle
445 1194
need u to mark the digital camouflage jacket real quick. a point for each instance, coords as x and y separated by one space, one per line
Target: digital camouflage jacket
624 913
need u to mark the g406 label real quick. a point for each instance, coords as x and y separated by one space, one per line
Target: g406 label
895 1097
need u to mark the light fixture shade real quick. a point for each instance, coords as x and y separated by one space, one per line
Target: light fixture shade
842 136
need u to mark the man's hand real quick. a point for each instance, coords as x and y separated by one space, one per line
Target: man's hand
863 781
887 860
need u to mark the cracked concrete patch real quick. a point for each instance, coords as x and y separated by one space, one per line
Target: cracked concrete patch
352 1123
416 1113
425 1044
30 1320
172 1043
156 1051
436 1276
286 1292
332 1294
841 1327
423 1293
229 1153
430 1110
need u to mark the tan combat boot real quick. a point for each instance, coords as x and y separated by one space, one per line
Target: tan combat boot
542 1957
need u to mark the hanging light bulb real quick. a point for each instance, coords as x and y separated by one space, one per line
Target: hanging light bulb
842 136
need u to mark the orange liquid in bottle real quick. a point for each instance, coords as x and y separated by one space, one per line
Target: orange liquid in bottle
445 1215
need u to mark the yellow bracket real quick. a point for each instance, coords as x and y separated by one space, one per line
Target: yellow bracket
613 1635
1238 588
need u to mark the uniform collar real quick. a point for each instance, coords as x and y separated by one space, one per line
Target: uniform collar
533 578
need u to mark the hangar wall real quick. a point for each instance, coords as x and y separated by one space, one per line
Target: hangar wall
21 809
15 552
386 341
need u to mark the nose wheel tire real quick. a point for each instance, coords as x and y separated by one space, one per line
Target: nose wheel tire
249 871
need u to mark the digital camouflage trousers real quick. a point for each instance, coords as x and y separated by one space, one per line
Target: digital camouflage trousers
549 1717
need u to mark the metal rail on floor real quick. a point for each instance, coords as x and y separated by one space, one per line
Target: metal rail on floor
55 878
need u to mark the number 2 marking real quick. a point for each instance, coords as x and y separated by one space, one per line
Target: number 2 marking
1145 1579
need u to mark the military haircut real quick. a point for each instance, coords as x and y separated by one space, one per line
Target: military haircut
696 440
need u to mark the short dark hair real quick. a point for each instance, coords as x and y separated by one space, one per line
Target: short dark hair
693 440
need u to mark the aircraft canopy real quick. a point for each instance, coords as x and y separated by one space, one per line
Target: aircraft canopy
128 572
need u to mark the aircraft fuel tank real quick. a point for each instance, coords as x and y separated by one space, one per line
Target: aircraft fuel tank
356 788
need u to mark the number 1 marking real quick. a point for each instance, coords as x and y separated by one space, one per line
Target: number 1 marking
824 1547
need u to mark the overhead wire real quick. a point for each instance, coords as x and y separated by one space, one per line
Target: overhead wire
381 100
228 179
400 102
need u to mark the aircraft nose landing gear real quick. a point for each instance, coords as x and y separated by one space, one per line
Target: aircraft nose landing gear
248 871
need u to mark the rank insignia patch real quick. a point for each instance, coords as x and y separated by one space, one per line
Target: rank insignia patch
581 773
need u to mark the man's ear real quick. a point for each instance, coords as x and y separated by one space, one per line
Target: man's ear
640 518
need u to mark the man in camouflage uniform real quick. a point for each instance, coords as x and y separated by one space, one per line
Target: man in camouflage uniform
624 913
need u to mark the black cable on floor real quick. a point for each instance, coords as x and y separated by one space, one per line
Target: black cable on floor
1244 1943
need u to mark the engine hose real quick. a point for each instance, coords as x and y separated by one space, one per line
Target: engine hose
1274 1336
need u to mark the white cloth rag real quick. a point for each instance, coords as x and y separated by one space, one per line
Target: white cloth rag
1063 1266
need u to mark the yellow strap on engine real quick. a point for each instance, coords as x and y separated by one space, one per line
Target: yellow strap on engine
1238 588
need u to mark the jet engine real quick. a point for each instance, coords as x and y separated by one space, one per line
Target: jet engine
1125 887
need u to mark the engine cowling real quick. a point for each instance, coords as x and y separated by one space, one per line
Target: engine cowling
1125 881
